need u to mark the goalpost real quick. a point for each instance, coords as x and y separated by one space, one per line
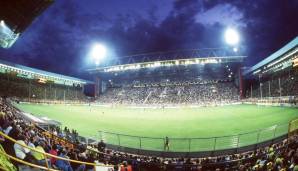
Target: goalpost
293 127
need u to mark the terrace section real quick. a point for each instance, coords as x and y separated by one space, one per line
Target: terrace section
34 84
194 65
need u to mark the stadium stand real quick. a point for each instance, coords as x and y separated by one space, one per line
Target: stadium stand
29 84
276 75
19 87
285 84
199 93
195 81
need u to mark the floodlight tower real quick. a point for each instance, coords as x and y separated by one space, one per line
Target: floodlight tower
232 39
98 53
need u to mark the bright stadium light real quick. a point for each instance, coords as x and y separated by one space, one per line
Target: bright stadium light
98 52
2 23
231 36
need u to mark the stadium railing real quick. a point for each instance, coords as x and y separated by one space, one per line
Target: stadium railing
195 144
46 156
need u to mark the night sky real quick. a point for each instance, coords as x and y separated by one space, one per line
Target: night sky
60 39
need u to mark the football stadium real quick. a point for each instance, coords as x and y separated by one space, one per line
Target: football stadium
183 110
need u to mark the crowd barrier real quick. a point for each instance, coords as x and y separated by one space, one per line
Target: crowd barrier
47 156
194 144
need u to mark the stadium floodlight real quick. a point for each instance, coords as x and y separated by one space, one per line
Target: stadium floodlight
2 23
231 36
98 52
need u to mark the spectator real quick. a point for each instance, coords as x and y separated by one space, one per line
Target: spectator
63 164
101 146
39 154
54 152
22 152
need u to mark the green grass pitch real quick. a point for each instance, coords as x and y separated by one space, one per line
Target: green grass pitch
178 124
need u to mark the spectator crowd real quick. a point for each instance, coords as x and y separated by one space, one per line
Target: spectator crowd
282 156
185 93
30 89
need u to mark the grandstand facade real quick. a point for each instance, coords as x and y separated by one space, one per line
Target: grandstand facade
275 76
31 84
171 78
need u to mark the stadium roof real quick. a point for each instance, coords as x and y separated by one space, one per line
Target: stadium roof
198 72
169 63
274 58
170 58
32 73
16 16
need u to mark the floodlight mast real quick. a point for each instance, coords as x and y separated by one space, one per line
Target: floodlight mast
98 52
232 37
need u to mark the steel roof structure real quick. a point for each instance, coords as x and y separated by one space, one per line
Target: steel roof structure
170 58
32 73
277 57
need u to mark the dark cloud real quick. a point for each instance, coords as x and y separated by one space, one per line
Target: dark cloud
177 31
60 38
